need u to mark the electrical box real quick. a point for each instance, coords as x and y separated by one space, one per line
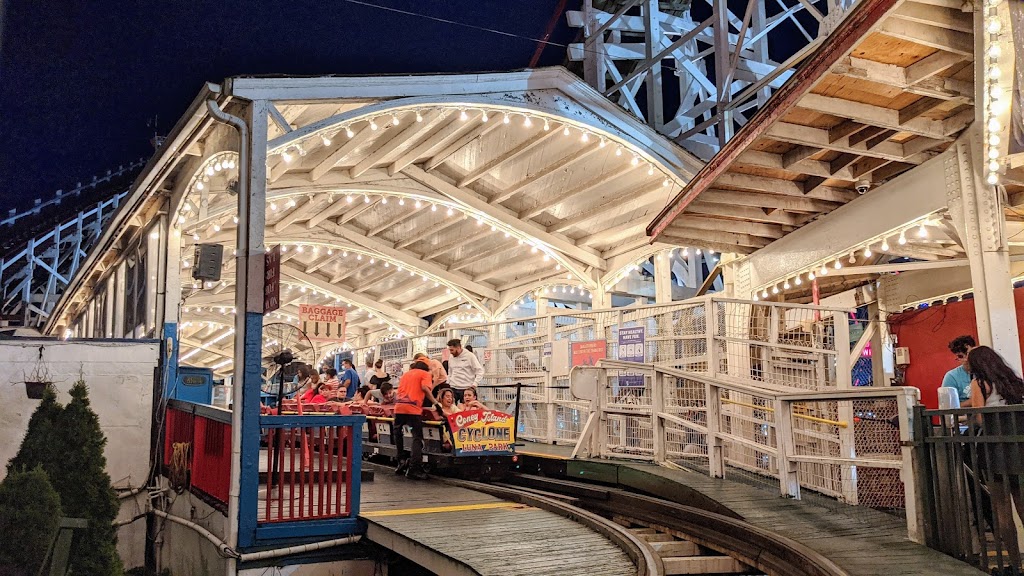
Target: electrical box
208 259
193 385
559 358
903 356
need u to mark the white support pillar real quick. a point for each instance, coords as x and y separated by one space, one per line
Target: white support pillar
978 215
662 279
244 484
602 299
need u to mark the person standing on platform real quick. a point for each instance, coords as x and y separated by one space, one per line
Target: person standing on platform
959 378
438 375
349 379
414 386
464 370
368 373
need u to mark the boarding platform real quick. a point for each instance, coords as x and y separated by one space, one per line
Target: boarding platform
456 531
858 540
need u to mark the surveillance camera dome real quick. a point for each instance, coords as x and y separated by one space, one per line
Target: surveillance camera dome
863 186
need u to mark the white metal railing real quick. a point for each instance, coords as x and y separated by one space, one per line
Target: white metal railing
851 444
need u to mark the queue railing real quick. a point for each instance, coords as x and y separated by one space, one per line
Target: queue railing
853 444
197 450
971 464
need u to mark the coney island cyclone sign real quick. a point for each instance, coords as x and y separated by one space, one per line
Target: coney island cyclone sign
482 432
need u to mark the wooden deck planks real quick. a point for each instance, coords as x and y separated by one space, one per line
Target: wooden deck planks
491 539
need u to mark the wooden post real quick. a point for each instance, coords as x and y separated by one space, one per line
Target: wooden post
913 498
657 408
789 482
716 458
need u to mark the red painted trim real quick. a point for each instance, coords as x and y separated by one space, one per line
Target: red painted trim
547 34
841 42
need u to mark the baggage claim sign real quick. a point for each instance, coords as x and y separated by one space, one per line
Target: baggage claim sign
481 432
322 323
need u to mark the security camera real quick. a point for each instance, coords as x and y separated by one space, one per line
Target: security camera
863 186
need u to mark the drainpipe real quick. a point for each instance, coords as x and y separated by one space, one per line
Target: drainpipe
237 387
228 552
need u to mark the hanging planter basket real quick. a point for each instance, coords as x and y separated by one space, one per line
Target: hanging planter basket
37 382
35 390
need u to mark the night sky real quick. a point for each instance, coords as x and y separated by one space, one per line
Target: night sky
80 81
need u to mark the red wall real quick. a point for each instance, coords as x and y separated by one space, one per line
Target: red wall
927 333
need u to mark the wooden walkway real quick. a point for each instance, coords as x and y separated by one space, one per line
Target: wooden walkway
452 530
860 540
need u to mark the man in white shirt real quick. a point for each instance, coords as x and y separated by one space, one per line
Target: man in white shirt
464 370
369 371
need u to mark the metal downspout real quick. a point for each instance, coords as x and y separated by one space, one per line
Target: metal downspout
237 389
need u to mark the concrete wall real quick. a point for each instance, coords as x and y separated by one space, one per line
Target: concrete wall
120 379
182 549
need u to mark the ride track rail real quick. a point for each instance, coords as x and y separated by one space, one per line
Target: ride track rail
592 504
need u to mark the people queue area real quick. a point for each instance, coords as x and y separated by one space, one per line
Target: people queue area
429 391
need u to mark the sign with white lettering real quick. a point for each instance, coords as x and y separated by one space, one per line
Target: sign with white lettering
322 323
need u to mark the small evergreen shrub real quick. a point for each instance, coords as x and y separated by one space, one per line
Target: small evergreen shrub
29 517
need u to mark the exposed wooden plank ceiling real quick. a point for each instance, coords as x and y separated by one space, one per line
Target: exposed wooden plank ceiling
890 89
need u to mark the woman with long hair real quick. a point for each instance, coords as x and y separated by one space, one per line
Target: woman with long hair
994 383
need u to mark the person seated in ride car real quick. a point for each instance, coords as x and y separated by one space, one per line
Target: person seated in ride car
386 394
331 383
313 395
362 395
470 402
447 401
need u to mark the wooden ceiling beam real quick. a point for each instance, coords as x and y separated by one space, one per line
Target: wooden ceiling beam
642 197
948 18
597 181
524 147
400 141
768 201
915 79
928 35
798 153
920 106
478 129
797 134
783 187
808 166
872 115
699 239
344 147
560 164
452 128
747 213
763 230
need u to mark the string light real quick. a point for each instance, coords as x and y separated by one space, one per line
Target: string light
462 115
903 239
565 131
419 117
484 116
349 132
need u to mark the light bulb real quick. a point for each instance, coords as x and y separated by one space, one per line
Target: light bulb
867 251
903 239
216 227
755 298
286 156
209 169
384 200
419 117
218 167
394 119
462 115
810 275
527 122
993 165
994 72
546 126
993 153
484 116
373 124
885 245
181 218
401 201
775 289
348 198
603 143
273 207
584 137
450 211
994 51
505 119
366 199
419 204
650 170
433 207
786 285
798 281
994 125
635 161
665 182
199 186
349 132
993 178
823 271
853 259
838 265
764 294
994 25
325 139
922 232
